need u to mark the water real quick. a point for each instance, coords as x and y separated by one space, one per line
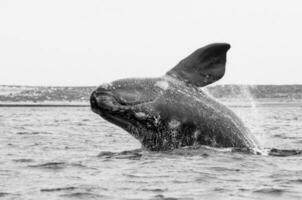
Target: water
71 153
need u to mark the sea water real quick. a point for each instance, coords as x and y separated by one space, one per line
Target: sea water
72 153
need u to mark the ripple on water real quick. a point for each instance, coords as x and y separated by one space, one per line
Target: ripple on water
3 194
32 132
297 181
284 152
224 169
74 192
270 191
285 136
9 195
83 195
131 155
50 165
57 189
154 190
162 197
81 165
23 160
297 141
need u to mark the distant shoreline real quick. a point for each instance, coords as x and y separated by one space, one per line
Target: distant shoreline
43 105
227 103
80 95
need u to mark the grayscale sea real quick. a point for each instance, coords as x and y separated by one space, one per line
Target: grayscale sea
71 153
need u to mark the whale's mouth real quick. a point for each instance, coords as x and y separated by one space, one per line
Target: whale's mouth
106 102
103 101
115 110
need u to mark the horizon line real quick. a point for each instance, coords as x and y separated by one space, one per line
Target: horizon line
210 85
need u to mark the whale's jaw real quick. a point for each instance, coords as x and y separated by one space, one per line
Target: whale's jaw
107 106
112 107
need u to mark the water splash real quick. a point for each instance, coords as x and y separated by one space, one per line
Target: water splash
241 95
255 118
247 95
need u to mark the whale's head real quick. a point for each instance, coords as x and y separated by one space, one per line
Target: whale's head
145 107
128 103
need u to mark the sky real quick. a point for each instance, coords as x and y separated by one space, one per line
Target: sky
75 43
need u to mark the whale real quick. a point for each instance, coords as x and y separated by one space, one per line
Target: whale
173 111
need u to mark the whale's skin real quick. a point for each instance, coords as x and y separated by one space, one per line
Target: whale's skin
170 112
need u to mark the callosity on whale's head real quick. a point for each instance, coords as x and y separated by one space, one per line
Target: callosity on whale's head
171 111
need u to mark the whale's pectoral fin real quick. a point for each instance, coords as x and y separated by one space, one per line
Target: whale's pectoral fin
204 66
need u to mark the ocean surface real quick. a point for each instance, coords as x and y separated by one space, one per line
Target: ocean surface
71 153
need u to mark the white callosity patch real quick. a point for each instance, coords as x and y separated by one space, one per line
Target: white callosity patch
156 120
140 115
162 84
106 86
174 124
197 134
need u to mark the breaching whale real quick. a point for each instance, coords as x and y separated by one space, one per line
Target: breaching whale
172 111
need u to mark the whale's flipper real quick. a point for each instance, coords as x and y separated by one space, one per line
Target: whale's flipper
204 66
